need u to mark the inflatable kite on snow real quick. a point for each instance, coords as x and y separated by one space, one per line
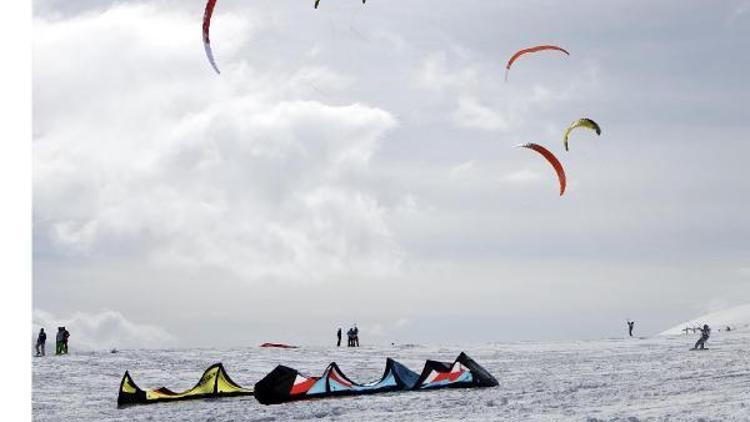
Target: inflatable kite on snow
285 384
278 346
214 383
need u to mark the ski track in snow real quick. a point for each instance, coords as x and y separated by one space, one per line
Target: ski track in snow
602 380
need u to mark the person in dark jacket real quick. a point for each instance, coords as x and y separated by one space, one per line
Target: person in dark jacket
355 332
59 341
630 327
350 337
66 335
338 335
41 342
705 334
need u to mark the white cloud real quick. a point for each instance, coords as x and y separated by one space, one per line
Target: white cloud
402 322
738 14
102 330
436 75
462 170
522 176
233 172
78 236
472 114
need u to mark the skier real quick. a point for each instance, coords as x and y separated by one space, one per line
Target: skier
41 341
630 327
705 334
338 335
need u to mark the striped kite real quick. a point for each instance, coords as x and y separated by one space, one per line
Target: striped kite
552 160
585 122
520 53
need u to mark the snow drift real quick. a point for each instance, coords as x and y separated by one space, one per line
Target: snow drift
736 318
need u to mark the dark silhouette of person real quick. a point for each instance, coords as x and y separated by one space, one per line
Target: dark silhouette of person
59 341
350 338
41 342
66 335
338 335
355 331
630 327
705 334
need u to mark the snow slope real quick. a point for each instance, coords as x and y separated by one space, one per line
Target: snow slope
611 379
736 318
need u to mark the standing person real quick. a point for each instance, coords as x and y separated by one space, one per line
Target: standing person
705 334
350 338
59 341
630 327
356 335
66 335
338 334
41 341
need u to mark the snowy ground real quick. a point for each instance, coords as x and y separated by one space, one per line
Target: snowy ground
611 379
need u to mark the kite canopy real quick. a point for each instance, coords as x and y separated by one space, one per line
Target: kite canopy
215 382
285 384
552 160
585 122
206 27
534 49
463 372
278 345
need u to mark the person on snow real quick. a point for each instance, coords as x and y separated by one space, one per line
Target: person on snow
59 340
66 335
356 336
41 341
630 327
338 335
705 334
350 337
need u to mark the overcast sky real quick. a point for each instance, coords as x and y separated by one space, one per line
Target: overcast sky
355 164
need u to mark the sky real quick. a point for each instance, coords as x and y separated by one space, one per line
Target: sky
355 164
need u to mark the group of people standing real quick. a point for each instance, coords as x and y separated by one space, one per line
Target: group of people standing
352 337
61 342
